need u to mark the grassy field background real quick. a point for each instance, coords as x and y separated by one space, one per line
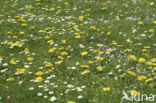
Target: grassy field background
77 51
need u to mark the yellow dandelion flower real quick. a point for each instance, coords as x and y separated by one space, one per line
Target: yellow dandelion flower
92 27
84 66
84 53
104 8
149 63
20 70
51 50
50 70
50 41
153 60
141 77
47 37
81 18
13 62
108 33
122 76
151 30
106 89
131 73
154 22
78 37
39 73
141 60
23 24
30 58
132 57
21 32
64 41
90 62
96 51
114 43
99 58
151 3
60 57
134 92
140 23
39 79
147 47
149 79
85 72
10 43
10 79
48 65
71 102
99 68
64 53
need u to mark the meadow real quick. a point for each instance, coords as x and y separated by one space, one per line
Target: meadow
77 51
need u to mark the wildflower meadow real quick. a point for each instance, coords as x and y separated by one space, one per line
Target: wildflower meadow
77 51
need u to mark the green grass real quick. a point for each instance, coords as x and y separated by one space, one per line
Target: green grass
57 21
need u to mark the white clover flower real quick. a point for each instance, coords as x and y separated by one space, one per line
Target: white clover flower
79 97
39 94
31 88
51 92
53 98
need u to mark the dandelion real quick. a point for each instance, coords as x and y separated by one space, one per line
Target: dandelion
90 62
140 23
84 66
149 79
149 63
154 22
81 18
122 76
78 37
51 50
64 53
151 3
10 79
26 50
134 92
20 70
47 37
108 33
39 79
22 32
114 43
99 58
131 73
50 41
30 59
93 27
23 24
48 65
141 60
153 60
106 89
141 77
104 8
151 30
13 62
99 68
71 102
39 73
66 3
132 57
64 41
85 72
84 53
